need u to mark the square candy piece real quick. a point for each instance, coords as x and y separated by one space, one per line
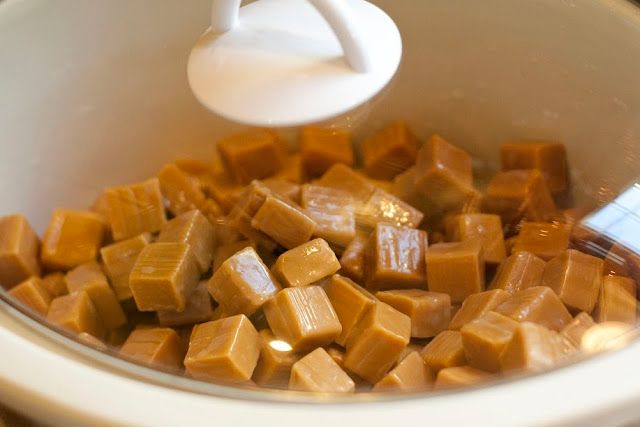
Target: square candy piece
520 271
306 264
181 190
461 376
390 151
617 300
333 211
284 223
318 372
410 375
543 239
119 258
476 306
430 312
383 206
254 154
539 305
321 148
154 346
350 302
32 294
533 348
195 230
485 339
352 260
344 178
276 359
487 228
76 313
19 247
444 351
549 157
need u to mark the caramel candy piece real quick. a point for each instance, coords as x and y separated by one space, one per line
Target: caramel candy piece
385 207
284 223
543 239
276 359
198 309
243 283
485 339
240 221
250 155
226 251
538 304
303 317
376 342
19 246
429 311
389 151
460 376
487 228
394 258
318 372
33 294
76 313
444 351
456 269
476 305
333 212
344 178
411 374
224 350
119 259
181 190
617 300
576 278
549 157
135 209
520 271
574 331
72 238
195 230
283 188
221 188
154 346
92 341
193 166
519 194
443 174
163 276
352 260
350 302
404 187
306 264
321 148
55 284
534 348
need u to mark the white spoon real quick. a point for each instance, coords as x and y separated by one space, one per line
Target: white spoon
282 63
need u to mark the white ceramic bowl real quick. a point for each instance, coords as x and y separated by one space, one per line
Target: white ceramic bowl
94 93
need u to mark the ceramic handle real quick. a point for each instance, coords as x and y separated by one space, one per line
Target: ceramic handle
337 13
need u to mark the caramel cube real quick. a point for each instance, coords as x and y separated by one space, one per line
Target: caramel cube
456 269
519 194
254 154
461 376
119 258
485 339
195 230
543 239
520 271
575 329
154 346
411 374
163 276
352 259
243 283
576 278
617 300
485 227
193 166
444 351
135 209
333 211
538 304
182 191
221 188
76 313
394 258
226 251
389 151
350 302
318 372
224 350
55 284
19 247
32 294
286 189
476 305
533 347
344 178
303 317
197 310
429 311
321 148
306 264
72 238
549 157
385 207
276 359
404 187
284 223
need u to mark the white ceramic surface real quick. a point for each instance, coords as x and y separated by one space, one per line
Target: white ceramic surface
94 93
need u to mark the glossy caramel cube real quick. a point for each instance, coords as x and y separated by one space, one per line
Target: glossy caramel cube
352 259
19 246
410 375
520 271
163 276
617 300
181 190
318 372
118 260
485 339
32 294
154 346
221 187
350 302
456 269
333 211
389 151
55 284
575 329
135 209
485 227
395 258
306 264
254 154
533 348
539 304
476 306
344 178
404 187
576 278
429 311
444 351
284 223
286 189
72 238
243 283
195 230
549 157
276 359
76 313
303 317
226 251
197 310
321 148
461 376
385 207
543 239
225 350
